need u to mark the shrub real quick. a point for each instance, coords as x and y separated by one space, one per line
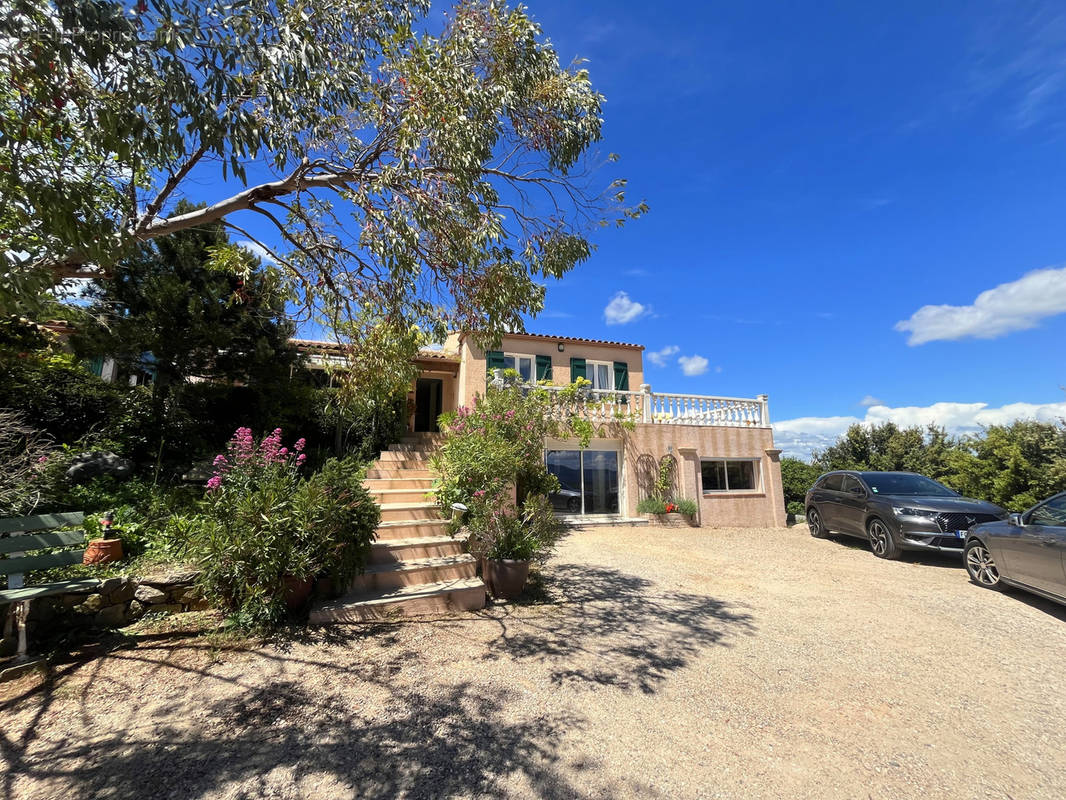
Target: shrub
500 531
263 524
795 507
24 451
651 505
686 507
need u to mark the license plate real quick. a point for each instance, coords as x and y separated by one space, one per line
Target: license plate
961 534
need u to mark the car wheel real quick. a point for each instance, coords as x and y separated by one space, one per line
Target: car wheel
814 524
980 566
882 542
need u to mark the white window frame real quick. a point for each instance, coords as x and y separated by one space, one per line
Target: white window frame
757 473
610 374
532 364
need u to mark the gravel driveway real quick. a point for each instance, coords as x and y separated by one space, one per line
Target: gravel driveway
668 663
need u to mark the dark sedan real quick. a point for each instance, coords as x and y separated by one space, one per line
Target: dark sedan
1027 551
895 511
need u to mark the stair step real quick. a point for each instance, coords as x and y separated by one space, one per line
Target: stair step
435 569
390 472
411 529
387 496
392 551
464 594
378 484
422 438
409 458
395 512
413 447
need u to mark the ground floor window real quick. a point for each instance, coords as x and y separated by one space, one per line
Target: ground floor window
730 475
588 481
521 364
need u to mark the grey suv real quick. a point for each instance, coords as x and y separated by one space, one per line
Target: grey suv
895 511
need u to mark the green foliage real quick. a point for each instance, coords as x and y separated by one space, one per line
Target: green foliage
58 396
795 507
796 478
1012 465
664 482
496 446
168 299
499 531
431 143
887 447
262 523
686 507
651 505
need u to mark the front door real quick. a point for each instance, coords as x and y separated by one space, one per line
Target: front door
429 395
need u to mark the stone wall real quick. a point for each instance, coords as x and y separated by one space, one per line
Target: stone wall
114 603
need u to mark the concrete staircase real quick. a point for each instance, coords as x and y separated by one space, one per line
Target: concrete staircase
415 567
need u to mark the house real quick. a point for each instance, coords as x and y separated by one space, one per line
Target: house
723 446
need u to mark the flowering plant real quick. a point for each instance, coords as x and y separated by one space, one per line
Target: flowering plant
264 524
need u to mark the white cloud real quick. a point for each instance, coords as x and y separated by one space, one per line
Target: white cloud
257 250
660 357
869 400
622 310
1015 306
693 365
800 437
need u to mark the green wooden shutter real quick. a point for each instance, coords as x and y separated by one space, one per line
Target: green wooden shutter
493 360
621 380
544 368
577 369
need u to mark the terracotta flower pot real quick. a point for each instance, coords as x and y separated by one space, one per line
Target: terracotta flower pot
102 551
297 590
505 577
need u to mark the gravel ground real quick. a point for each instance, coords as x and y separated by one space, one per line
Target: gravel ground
657 663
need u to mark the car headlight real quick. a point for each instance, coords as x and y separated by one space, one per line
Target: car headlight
903 511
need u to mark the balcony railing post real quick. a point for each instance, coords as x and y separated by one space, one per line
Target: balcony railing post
764 410
645 402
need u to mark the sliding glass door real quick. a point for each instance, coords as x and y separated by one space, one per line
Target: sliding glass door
588 481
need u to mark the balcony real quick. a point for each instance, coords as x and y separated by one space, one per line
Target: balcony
657 408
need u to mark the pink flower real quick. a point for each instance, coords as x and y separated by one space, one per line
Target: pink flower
300 445
301 458
214 482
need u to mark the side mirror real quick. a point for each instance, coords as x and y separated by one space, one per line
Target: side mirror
1016 519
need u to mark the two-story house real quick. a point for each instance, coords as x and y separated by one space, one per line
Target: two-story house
723 446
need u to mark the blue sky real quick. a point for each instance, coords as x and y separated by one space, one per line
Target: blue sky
818 174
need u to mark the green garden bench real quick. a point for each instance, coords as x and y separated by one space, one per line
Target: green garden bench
21 539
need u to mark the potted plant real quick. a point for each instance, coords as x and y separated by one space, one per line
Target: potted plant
509 539
108 547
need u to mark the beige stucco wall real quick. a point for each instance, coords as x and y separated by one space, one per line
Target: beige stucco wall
472 370
764 507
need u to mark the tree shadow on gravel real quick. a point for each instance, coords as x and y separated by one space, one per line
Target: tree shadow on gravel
278 738
616 629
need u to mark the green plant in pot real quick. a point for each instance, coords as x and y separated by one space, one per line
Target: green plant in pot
509 539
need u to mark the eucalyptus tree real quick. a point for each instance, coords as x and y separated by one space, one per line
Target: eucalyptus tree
416 181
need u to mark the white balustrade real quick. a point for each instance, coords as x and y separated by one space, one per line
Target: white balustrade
664 408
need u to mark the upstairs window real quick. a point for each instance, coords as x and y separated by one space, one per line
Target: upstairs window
521 364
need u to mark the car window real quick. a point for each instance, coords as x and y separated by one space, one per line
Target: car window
852 485
903 483
1053 512
833 483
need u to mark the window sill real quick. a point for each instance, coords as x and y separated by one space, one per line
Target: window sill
737 493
